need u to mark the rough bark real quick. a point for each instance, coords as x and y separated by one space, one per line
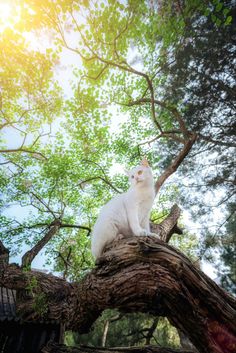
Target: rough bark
185 342
136 274
4 255
169 225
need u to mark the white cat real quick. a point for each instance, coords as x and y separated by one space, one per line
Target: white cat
127 213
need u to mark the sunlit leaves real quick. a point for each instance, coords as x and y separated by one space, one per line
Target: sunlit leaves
75 140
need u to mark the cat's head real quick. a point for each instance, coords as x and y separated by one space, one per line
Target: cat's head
142 174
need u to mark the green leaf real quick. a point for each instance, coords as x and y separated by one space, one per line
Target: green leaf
218 22
219 7
213 17
226 11
207 12
228 20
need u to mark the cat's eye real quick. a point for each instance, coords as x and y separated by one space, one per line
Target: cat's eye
140 172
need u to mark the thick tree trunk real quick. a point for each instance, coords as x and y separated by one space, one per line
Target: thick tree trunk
135 274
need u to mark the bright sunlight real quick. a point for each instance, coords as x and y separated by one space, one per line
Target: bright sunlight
9 14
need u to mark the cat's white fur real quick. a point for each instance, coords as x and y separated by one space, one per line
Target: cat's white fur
127 213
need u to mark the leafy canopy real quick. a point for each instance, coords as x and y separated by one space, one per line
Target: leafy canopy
137 63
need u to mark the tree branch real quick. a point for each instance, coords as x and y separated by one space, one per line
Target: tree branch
136 274
4 256
100 178
106 327
151 330
175 163
63 225
66 262
216 142
44 204
30 255
56 348
124 66
95 78
168 226
37 155
166 106
172 134
104 179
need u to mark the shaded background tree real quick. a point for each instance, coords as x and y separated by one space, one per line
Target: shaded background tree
201 79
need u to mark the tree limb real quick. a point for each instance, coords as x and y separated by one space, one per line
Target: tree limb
136 274
4 256
56 348
216 142
124 66
100 178
76 226
166 106
168 226
30 255
151 330
106 327
35 154
176 162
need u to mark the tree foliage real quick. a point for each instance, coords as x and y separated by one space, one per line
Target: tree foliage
148 78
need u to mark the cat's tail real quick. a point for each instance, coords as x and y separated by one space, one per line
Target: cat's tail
102 235
96 248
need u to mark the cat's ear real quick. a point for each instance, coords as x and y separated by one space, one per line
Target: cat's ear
144 162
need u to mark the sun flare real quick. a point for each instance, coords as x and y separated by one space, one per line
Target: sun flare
9 14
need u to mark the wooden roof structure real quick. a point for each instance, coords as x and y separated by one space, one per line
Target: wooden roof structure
17 335
8 304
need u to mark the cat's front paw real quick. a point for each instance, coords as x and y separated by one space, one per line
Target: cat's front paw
119 237
143 233
154 235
